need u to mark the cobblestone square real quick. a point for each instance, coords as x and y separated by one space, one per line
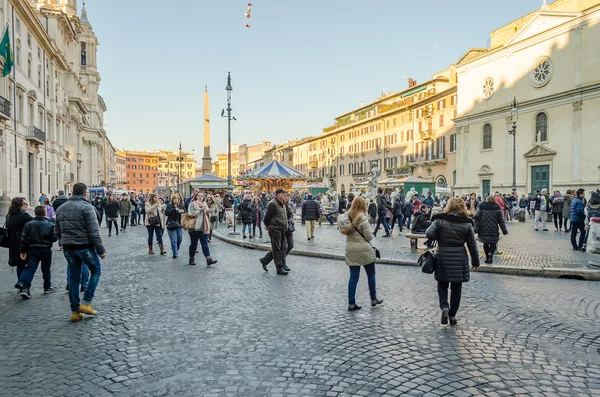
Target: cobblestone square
168 329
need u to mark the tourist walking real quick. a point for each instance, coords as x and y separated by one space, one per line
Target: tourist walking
309 215
15 222
557 210
174 229
246 214
213 215
488 219
472 203
99 204
50 213
60 200
383 205
398 211
452 229
112 209
359 252
36 246
125 209
276 221
77 227
542 208
567 200
578 220
135 208
258 217
199 210
289 234
155 222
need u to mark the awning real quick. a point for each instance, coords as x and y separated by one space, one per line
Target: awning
409 93
364 111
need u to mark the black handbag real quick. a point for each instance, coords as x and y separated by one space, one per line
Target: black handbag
428 261
291 226
4 239
153 221
173 225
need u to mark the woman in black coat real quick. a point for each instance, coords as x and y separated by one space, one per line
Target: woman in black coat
112 209
452 229
488 219
247 215
15 222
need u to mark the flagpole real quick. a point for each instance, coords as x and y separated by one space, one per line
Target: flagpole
14 43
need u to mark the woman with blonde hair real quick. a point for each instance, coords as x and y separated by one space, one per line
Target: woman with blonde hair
359 251
452 229
199 210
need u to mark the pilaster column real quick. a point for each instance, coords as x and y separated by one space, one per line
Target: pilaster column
508 150
464 144
576 156
578 32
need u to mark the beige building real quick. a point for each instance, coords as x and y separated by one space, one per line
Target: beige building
175 167
549 61
251 153
121 177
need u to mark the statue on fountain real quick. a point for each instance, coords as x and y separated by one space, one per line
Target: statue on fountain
374 180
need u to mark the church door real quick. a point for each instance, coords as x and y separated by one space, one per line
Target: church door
540 177
485 187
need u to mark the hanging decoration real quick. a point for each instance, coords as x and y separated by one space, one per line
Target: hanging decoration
248 14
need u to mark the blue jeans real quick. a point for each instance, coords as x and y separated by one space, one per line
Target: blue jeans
400 219
176 236
151 230
34 257
194 237
329 218
408 219
247 226
355 275
381 221
75 260
85 275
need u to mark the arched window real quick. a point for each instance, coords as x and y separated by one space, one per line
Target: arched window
487 136
541 126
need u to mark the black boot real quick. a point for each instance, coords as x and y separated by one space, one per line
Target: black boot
192 260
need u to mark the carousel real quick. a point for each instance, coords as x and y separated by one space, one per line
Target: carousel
273 176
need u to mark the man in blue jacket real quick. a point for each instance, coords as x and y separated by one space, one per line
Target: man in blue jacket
578 220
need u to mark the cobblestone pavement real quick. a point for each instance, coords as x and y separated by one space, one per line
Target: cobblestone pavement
168 329
522 247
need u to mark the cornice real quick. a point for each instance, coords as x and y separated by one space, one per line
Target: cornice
31 20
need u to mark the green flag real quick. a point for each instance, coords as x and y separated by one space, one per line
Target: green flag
6 52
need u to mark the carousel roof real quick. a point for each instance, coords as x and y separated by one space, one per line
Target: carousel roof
275 170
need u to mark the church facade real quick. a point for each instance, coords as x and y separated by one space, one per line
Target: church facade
549 61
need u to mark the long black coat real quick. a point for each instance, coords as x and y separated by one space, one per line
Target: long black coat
15 224
247 212
489 218
452 231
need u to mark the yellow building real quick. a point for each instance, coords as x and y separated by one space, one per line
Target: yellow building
175 167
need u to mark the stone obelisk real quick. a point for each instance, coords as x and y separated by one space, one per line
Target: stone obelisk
206 159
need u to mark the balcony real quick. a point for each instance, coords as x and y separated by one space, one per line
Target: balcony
435 158
67 154
359 174
313 165
426 135
4 109
363 154
36 136
378 150
398 171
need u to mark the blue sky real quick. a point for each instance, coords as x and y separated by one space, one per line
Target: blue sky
300 65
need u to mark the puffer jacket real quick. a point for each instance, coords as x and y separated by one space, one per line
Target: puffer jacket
557 204
420 222
567 206
398 208
593 209
488 218
577 210
39 233
77 225
60 200
310 210
358 249
125 207
246 212
112 209
276 216
452 231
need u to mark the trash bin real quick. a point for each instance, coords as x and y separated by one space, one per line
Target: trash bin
522 214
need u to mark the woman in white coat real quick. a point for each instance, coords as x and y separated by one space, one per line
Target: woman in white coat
359 252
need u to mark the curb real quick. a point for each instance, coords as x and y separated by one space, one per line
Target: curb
554 272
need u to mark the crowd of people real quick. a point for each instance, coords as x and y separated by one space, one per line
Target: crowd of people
450 222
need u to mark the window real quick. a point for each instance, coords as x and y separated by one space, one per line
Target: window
442 104
21 117
40 77
29 39
441 121
387 124
39 53
20 180
18 25
351 168
541 127
453 143
454 100
83 54
29 68
341 169
18 52
487 136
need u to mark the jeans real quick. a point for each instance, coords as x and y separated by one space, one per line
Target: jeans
557 220
310 229
353 282
407 220
133 218
400 219
112 222
194 237
176 236
329 218
278 249
151 231
100 216
381 221
75 260
247 226
577 226
85 275
124 221
454 298
257 225
34 257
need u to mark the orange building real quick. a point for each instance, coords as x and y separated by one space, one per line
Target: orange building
142 171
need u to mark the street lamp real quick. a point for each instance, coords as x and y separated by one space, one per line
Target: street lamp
229 88
514 117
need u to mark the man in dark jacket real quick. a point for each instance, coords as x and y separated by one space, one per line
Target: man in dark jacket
99 205
421 221
409 208
60 200
310 213
398 211
428 201
276 221
382 206
77 227
36 245
578 220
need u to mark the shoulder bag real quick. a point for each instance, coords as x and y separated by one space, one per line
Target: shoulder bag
377 252
428 261
4 240
188 222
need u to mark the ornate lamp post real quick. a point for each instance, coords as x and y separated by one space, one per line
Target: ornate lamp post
229 88
514 117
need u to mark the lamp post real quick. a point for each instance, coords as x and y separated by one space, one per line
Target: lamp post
179 159
514 117
229 88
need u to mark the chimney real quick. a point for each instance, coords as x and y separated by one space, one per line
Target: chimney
411 83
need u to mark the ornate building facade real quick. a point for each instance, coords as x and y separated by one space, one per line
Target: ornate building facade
51 116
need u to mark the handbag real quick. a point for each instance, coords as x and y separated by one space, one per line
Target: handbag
4 239
173 225
213 218
377 252
428 261
291 226
188 222
153 220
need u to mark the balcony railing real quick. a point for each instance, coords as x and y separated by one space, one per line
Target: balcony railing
359 173
4 108
36 136
398 171
433 158
426 135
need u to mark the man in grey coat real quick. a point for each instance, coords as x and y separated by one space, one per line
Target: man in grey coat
77 228
276 221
